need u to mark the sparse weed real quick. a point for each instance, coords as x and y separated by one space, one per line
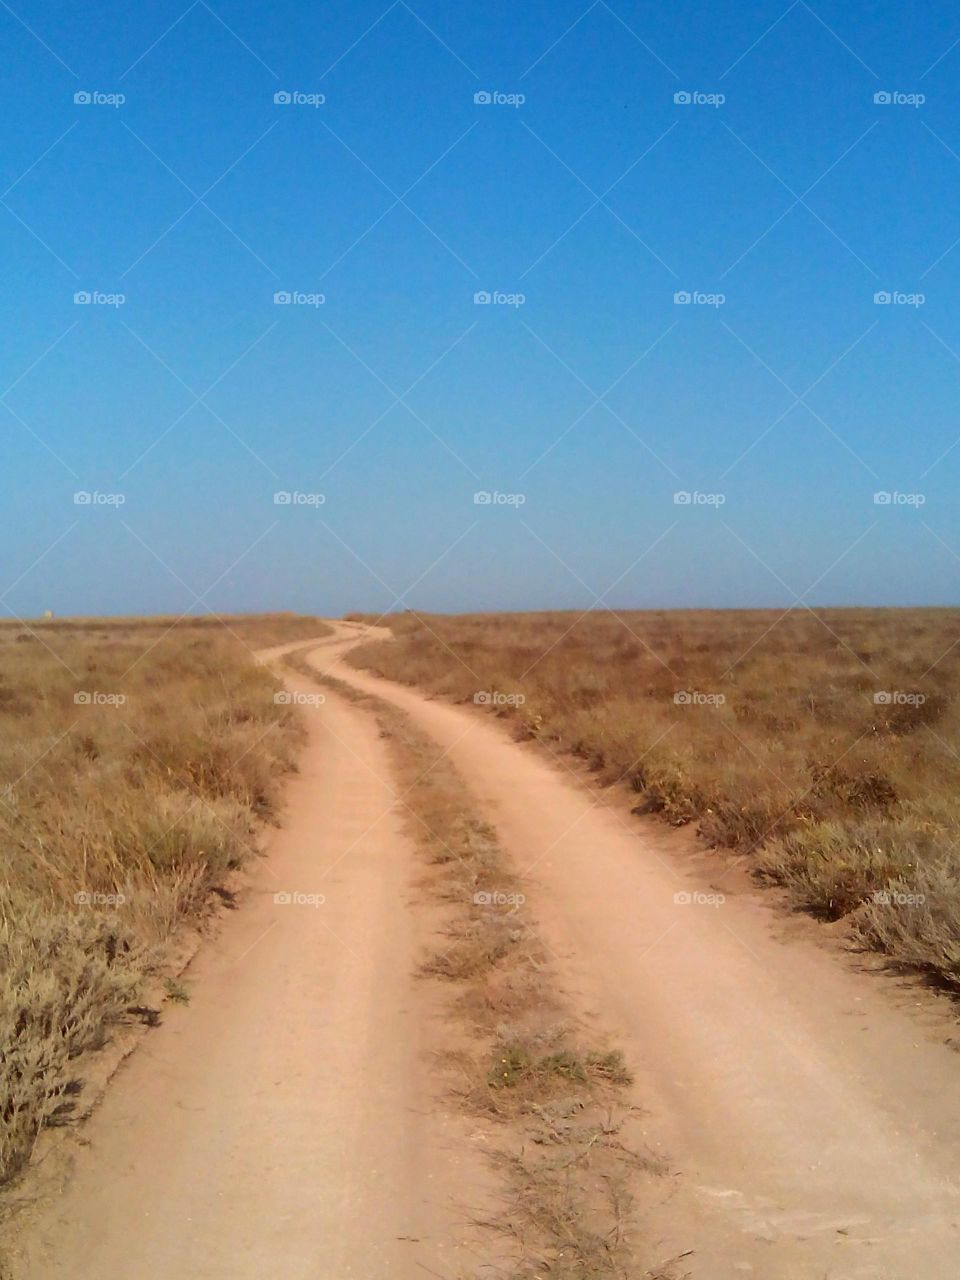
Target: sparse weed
176 991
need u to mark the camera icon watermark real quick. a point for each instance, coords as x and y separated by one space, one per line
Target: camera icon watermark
296 298
894 498
494 98
894 98
294 498
498 298
293 698
486 498
496 898
493 698
696 98
294 98
94 98
898 898
86 498
695 698
898 698
697 298
896 298
96 298
93 698
694 498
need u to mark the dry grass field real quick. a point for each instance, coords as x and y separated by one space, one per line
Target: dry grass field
136 756
824 744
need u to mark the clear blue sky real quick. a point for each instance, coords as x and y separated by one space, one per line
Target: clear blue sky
398 398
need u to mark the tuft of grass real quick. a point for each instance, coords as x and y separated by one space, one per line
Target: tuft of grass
515 1065
136 756
176 991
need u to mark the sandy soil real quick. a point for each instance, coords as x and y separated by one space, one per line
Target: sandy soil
283 1124
812 1117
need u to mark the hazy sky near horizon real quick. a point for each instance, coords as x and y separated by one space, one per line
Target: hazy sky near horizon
245 254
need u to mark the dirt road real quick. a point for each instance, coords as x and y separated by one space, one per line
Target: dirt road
813 1119
282 1124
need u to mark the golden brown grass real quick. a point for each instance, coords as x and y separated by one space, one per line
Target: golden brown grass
135 757
824 743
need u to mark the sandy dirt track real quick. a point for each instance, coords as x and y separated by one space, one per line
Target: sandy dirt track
281 1124
812 1117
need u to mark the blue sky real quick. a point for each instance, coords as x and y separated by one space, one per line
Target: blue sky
588 406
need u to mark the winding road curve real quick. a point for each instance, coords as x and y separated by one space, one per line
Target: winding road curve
812 1116
281 1125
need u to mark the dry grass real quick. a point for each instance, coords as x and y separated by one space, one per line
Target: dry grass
557 1111
135 757
824 744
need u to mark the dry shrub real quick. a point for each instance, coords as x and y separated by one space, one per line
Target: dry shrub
832 868
66 980
916 920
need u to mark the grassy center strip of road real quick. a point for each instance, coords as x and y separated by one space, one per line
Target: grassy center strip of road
559 1114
